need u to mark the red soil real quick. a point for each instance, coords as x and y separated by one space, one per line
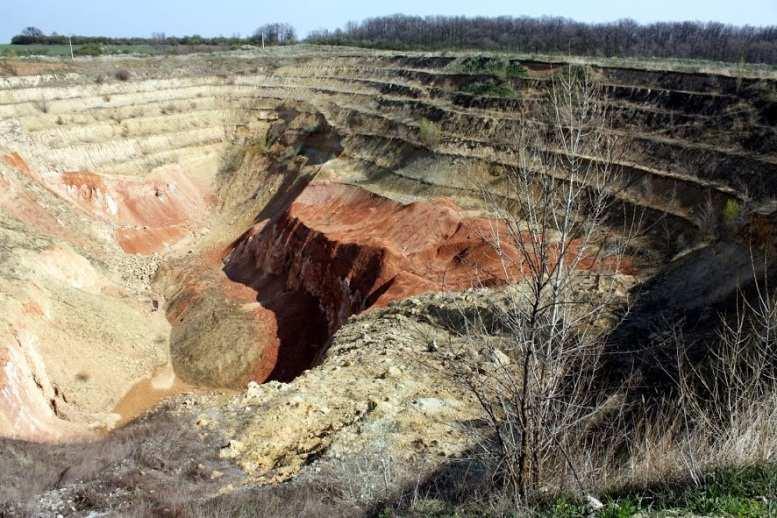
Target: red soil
32 309
89 183
23 204
17 162
148 213
24 411
147 240
352 249
339 250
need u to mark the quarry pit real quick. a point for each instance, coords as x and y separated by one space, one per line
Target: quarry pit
218 223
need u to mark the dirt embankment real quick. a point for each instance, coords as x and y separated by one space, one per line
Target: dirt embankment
78 321
339 250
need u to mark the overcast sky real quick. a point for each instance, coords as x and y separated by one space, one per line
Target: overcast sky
226 17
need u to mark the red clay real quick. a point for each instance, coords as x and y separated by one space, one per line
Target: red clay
147 240
24 411
90 183
23 204
149 213
339 250
17 162
352 249
32 309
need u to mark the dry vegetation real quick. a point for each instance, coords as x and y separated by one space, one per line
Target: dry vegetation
123 75
133 468
159 466
565 426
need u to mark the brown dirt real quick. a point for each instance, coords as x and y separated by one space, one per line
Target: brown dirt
149 392
30 68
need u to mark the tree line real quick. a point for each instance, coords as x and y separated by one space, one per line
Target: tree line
627 38
274 34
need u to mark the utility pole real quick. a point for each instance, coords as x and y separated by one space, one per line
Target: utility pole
70 41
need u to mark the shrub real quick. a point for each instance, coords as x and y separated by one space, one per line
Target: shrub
489 89
731 211
259 145
429 133
231 161
123 75
503 68
91 49
763 93
42 105
168 109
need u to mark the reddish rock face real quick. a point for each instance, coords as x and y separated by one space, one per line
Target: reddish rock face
18 202
351 250
147 213
17 162
339 250
25 411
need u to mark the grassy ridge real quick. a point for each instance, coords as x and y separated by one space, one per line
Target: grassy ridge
34 50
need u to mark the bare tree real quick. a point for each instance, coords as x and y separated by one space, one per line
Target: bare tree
552 245
275 34
553 35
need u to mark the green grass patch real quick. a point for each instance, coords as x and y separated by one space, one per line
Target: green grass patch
34 50
501 70
739 492
732 209
429 133
489 89
89 50
743 492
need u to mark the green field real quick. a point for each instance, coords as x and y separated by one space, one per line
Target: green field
8 50
37 50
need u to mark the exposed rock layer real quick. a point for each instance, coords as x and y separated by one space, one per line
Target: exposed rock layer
97 171
339 250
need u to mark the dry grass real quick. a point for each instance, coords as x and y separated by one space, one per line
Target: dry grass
162 465
704 442
558 417
149 463
42 105
303 500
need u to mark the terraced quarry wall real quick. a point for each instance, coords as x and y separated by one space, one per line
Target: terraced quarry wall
307 175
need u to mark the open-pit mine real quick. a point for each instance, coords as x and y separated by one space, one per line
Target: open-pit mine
255 241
